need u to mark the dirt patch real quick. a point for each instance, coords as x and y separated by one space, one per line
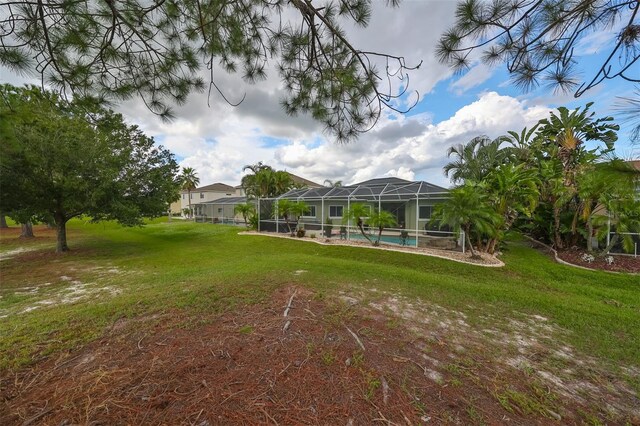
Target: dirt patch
615 263
257 366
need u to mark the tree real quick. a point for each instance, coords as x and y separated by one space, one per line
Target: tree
629 109
292 209
265 182
381 219
513 191
332 184
70 166
245 209
468 209
475 159
358 212
156 50
190 181
538 39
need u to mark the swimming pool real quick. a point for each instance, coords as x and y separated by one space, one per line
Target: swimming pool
390 239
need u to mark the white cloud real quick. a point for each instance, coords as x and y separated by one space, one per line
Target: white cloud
411 154
474 77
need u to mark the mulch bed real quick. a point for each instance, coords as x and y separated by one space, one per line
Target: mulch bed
620 263
247 367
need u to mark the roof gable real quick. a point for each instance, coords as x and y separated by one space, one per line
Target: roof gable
215 187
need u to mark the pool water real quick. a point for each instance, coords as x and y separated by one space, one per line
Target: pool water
391 239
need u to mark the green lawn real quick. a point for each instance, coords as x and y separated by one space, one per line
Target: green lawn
203 268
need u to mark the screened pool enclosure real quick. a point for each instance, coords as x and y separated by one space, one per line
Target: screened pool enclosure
410 202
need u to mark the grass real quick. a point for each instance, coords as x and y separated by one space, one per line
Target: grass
199 270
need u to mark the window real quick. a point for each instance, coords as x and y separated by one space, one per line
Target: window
219 209
311 212
184 196
335 211
191 197
201 195
425 212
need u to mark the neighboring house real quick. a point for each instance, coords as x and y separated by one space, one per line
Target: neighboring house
222 209
302 182
205 193
411 202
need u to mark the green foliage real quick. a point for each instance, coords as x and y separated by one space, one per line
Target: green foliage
358 212
468 207
475 159
288 210
71 164
266 182
117 50
247 210
189 181
200 284
545 181
381 219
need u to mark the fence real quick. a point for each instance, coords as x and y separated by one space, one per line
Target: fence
225 220
426 238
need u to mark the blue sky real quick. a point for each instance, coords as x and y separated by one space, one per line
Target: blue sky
218 140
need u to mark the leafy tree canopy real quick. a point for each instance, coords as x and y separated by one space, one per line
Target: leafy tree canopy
69 165
159 50
539 39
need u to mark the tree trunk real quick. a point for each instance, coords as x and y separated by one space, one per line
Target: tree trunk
557 238
612 243
3 221
491 246
466 234
62 246
589 235
364 234
27 230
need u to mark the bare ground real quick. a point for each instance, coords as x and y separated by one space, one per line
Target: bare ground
364 357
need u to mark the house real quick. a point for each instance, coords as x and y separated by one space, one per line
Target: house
221 209
411 202
204 194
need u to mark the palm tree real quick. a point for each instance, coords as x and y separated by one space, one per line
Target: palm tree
475 159
190 181
291 209
358 212
520 149
513 190
567 132
245 210
468 208
381 219
624 218
332 184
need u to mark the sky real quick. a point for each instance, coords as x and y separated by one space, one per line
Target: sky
218 139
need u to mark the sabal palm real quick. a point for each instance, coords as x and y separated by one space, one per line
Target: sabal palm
190 181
